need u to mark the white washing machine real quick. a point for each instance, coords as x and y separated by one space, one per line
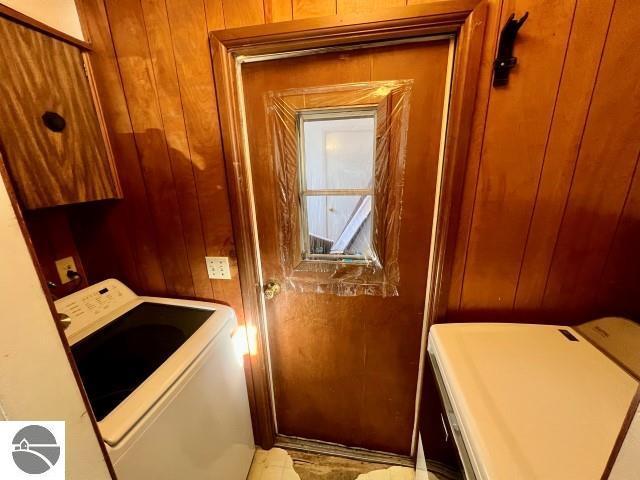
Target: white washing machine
164 381
534 402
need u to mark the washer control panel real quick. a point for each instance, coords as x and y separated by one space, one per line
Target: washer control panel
93 303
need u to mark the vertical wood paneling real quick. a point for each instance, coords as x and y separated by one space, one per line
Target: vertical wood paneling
313 8
619 288
515 136
215 15
277 11
365 6
242 13
514 234
173 123
131 219
605 167
588 35
131 45
190 36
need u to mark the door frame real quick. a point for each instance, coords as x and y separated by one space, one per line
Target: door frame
466 20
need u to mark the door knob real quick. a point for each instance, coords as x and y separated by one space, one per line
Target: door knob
271 289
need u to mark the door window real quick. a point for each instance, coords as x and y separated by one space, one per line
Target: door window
337 152
338 156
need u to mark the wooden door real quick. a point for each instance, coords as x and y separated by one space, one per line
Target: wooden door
345 368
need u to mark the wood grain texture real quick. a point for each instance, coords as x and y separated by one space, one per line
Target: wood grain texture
313 8
512 153
119 238
190 43
242 13
278 11
50 168
588 34
141 91
619 287
159 34
215 14
605 167
540 243
364 6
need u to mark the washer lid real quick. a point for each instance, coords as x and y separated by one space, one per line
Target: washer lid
133 409
114 360
532 401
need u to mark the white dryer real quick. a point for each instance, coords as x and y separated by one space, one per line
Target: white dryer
535 402
164 381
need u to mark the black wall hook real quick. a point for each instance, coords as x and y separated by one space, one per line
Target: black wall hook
505 60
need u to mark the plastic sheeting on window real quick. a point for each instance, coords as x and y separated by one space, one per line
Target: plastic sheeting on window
339 154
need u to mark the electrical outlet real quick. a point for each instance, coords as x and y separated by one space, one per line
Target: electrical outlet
63 266
218 268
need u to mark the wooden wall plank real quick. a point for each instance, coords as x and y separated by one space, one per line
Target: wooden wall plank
313 8
138 248
604 170
190 43
173 124
366 6
240 13
53 240
619 287
517 127
588 35
277 10
215 15
131 46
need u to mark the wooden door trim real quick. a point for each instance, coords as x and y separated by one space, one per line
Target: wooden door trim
229 48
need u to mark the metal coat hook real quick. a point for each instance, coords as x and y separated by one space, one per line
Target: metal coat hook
505 60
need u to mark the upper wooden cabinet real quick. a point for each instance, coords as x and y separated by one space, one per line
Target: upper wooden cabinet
40 74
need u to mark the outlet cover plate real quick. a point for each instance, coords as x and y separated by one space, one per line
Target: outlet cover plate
218 268
63 266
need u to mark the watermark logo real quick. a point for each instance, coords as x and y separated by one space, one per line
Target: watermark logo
33 450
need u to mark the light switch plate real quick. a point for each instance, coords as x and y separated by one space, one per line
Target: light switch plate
218 268
63 266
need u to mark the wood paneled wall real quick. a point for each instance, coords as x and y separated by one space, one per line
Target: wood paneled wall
549 220
549 223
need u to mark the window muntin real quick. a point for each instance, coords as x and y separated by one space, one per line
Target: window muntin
337 161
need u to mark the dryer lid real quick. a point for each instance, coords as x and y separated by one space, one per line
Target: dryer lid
531 399
618 338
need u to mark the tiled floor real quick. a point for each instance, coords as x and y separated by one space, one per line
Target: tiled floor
274 464
278 464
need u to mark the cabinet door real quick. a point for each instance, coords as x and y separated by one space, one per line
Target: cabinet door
48 167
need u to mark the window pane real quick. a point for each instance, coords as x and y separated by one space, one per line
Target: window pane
339 225
339 153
